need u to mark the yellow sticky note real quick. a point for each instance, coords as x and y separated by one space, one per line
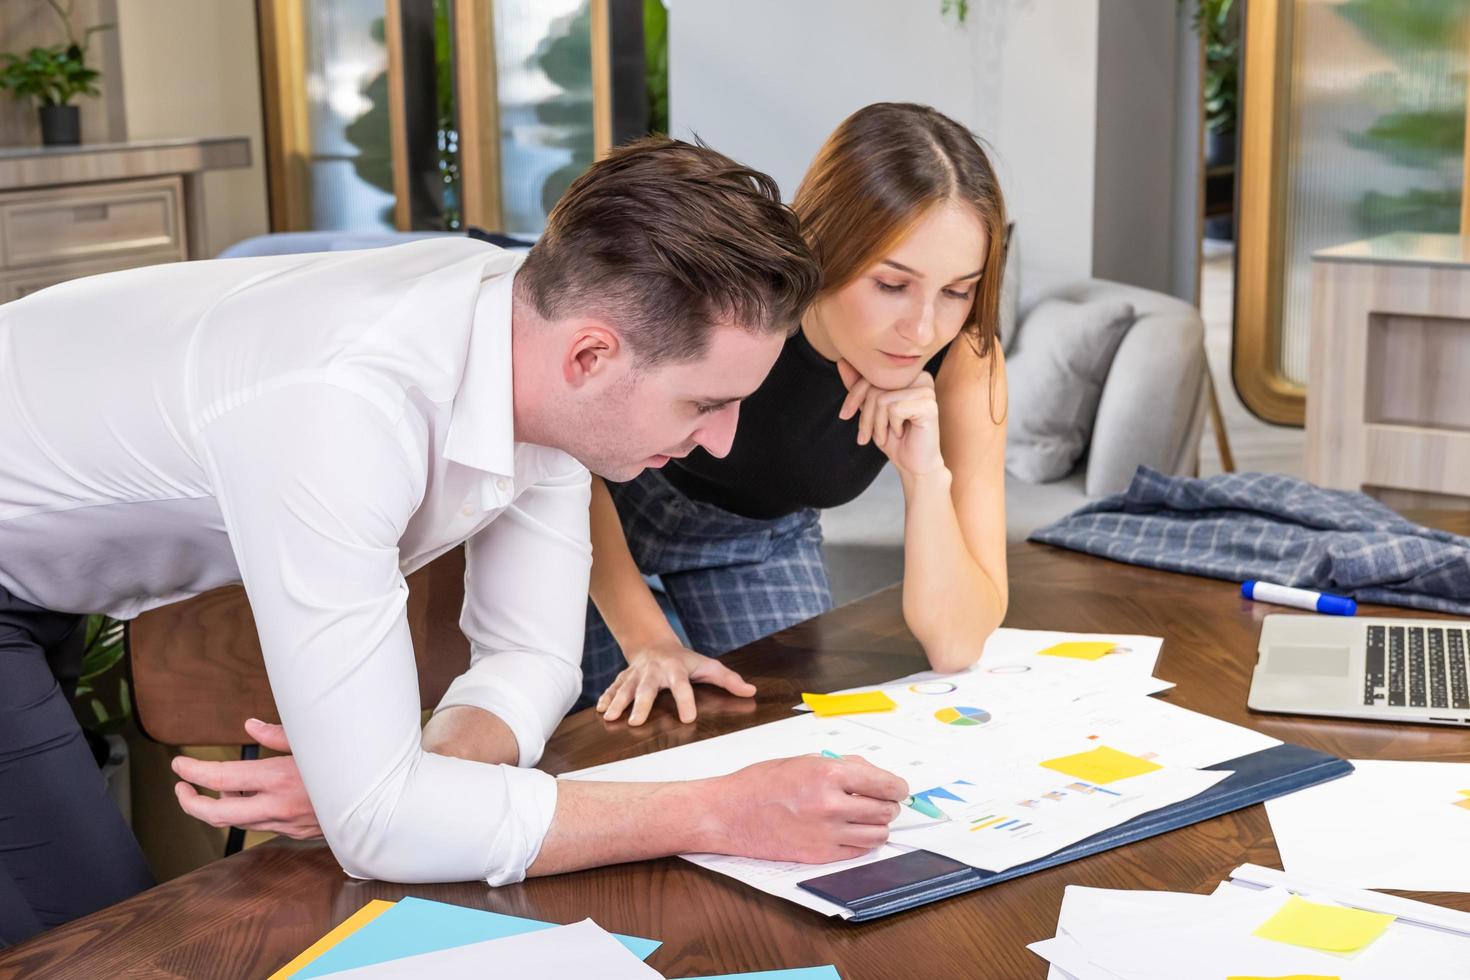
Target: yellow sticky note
1330 927
348 926
1464 792
848 704
1466 801
1080 650
1102 765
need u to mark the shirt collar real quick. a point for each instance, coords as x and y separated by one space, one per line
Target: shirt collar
482 420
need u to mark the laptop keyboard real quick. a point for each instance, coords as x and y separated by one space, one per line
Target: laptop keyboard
1416 667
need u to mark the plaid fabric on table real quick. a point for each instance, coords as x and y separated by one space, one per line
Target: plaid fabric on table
1274 528
727 579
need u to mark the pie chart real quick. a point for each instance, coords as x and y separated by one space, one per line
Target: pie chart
961 716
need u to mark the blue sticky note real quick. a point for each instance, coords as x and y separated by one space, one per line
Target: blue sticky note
803 973
417 925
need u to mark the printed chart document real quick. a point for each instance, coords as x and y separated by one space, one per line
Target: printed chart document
1403 825
1018 769
580 949
1039 663
1000 826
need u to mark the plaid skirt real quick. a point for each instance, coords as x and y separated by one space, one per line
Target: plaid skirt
725 579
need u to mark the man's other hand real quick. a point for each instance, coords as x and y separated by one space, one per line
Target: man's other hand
259 794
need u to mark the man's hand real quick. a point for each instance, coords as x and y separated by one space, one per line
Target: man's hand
809 809
260 794
904 423
670 665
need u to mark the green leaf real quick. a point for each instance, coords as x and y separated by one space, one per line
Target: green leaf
1408 27
52 76
1415 139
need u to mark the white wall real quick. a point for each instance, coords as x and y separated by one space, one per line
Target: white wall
1135 148
767 80
191 70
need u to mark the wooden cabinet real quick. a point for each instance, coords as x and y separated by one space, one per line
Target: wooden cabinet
1388 406
81 211
50 236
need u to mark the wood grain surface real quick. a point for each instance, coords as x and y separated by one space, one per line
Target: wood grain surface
246 915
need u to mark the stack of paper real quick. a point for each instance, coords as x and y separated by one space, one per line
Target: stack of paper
580 949
416 938
1049 739
1243 931
1399 825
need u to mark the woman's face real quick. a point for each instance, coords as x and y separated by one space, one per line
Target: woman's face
912 301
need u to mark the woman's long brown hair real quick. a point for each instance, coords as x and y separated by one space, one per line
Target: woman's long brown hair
874 179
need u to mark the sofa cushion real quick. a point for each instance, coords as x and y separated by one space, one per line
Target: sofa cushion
1055 377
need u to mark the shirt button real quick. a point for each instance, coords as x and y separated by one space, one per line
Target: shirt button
502 484
467 510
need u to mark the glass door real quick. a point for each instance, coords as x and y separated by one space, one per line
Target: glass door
1354 126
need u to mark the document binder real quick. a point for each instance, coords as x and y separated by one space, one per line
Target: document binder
881 888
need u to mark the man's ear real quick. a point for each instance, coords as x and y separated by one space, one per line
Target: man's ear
594 350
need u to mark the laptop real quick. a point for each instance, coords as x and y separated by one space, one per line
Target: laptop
1358 667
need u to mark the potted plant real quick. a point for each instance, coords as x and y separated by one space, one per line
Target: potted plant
53 76
1218 22
104 706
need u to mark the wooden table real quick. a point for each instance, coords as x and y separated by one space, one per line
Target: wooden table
247 915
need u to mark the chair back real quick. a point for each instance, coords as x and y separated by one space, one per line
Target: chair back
198 673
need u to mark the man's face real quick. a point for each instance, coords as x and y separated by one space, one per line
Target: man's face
656 413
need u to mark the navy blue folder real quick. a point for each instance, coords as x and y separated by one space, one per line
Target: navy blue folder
874 890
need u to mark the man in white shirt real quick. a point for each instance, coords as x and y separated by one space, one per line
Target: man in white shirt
318 426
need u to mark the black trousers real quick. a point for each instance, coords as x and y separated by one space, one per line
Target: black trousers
64 847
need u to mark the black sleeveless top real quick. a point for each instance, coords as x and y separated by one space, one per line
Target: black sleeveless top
791 451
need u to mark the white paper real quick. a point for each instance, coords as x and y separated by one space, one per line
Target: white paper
1069 960
580 949
1157 936
1387 825
1420 913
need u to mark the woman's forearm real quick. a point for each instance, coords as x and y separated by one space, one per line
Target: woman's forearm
617 588
950 603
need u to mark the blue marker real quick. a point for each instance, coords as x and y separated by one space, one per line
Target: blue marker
1285 595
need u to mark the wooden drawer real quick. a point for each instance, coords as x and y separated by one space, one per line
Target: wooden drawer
22 284
91 223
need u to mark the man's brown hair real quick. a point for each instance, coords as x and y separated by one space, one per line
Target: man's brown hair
665 240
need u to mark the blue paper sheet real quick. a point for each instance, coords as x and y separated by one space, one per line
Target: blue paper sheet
802 973
416 925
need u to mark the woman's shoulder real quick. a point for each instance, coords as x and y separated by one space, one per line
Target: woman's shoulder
969 376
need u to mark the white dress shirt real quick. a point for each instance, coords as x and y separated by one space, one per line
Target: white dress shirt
316 427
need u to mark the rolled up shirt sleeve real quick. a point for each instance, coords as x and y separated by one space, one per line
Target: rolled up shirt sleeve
316 484
525 607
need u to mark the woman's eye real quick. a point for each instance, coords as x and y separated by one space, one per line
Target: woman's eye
890 287
706 409
953 294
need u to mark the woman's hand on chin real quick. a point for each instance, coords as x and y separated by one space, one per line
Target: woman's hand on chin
668 665
903 422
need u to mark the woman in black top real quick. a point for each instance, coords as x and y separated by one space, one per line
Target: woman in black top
896 361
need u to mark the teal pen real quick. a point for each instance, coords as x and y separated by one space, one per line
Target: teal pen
918 803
